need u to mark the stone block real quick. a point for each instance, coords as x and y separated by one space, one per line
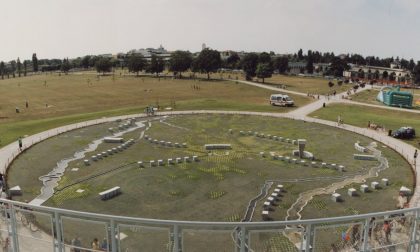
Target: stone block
364 188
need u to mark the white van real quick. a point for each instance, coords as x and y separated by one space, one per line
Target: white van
281 100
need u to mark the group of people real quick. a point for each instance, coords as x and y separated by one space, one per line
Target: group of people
195 87
76 244
379 231
314 96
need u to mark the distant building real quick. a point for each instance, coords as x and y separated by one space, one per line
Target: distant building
148 52
298 67
393 74
321 68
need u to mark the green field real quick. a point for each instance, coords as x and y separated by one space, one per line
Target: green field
306 84
82 96
360 116
369 96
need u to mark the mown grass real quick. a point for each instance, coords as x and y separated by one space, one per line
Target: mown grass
360 116
306 84
59 100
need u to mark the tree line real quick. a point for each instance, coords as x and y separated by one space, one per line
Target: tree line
260 65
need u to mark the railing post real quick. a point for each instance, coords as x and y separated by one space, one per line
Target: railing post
366 237
309 233
413 236
113 236
243 239
13 225
176 236
57 227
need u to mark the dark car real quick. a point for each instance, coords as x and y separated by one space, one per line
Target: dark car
404 133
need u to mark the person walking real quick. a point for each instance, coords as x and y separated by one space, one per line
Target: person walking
20 143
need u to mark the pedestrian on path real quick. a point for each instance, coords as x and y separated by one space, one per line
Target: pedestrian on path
20 143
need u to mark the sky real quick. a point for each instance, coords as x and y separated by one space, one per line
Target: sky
72 28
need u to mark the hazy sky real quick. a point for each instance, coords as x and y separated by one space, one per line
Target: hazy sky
69 28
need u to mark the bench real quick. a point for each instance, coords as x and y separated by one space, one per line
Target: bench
113 139
110 193
359 148
217 146
364 157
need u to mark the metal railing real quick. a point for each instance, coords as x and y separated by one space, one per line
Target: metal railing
36 228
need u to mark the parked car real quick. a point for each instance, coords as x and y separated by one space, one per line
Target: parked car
404 133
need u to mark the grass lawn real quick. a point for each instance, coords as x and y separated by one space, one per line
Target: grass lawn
369 96
360 116
306 84
217 188
82 96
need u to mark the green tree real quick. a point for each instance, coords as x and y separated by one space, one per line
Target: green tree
85 63
103 65
208 61
264 58
385 75
310 63
25 67
180 62
35 62
264 70
416 72
281 64
2 70
13 68
19 67
361 74
157 65
392 76
300 54
232 61
412 65
92 61
136 63
337 67
65 66
249 65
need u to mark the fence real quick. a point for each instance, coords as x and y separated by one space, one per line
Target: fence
29 228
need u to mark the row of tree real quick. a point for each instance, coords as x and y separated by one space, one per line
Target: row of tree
260 65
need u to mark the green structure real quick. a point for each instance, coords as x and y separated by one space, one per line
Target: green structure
394 97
